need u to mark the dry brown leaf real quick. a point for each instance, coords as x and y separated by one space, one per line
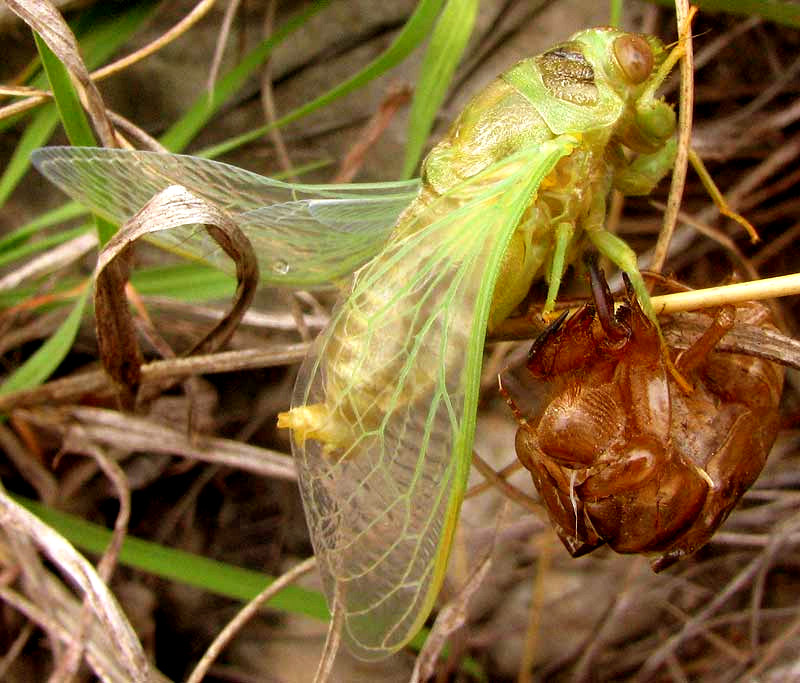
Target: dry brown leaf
171 208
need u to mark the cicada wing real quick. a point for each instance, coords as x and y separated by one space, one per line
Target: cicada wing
294 247
395 378
300 232
119 182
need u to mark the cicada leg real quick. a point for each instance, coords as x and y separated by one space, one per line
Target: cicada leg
622 256
718 198
512 404
604 301
563 237
698 352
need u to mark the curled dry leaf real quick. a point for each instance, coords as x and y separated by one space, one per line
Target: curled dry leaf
620 452
173 207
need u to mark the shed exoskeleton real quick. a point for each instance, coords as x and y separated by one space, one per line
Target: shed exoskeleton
620 452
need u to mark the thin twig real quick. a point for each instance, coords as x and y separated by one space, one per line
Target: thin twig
22 106
332 639
245 614
72 388
690 628
199 11
719 237
144 140
268 101
397 96
767 288
222 41
509 491
503 474
684 139
22 91
532 635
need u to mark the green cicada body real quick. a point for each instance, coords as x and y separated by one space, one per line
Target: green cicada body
384 408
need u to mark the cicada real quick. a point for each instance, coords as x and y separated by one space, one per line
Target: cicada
620 452
384 407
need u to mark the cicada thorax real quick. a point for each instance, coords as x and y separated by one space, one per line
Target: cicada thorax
361 389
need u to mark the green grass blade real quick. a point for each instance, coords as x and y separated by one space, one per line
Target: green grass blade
73 118
29 248
50 354
169 563
413 33
183 131
615 13
36 133
188 282
15 245
444 52
106 36
75 123
22 234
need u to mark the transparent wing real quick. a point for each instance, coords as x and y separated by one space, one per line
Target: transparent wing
304 243
304 234
396 375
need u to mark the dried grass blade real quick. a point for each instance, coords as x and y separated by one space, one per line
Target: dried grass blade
448 621
684 18
248 611
76 442
17 521
131 433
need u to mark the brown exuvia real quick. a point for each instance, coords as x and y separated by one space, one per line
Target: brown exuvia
620 452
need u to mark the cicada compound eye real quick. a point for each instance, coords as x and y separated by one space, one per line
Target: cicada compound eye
635 57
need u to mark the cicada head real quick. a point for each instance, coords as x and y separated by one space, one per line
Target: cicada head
619 451
626 61
633 66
